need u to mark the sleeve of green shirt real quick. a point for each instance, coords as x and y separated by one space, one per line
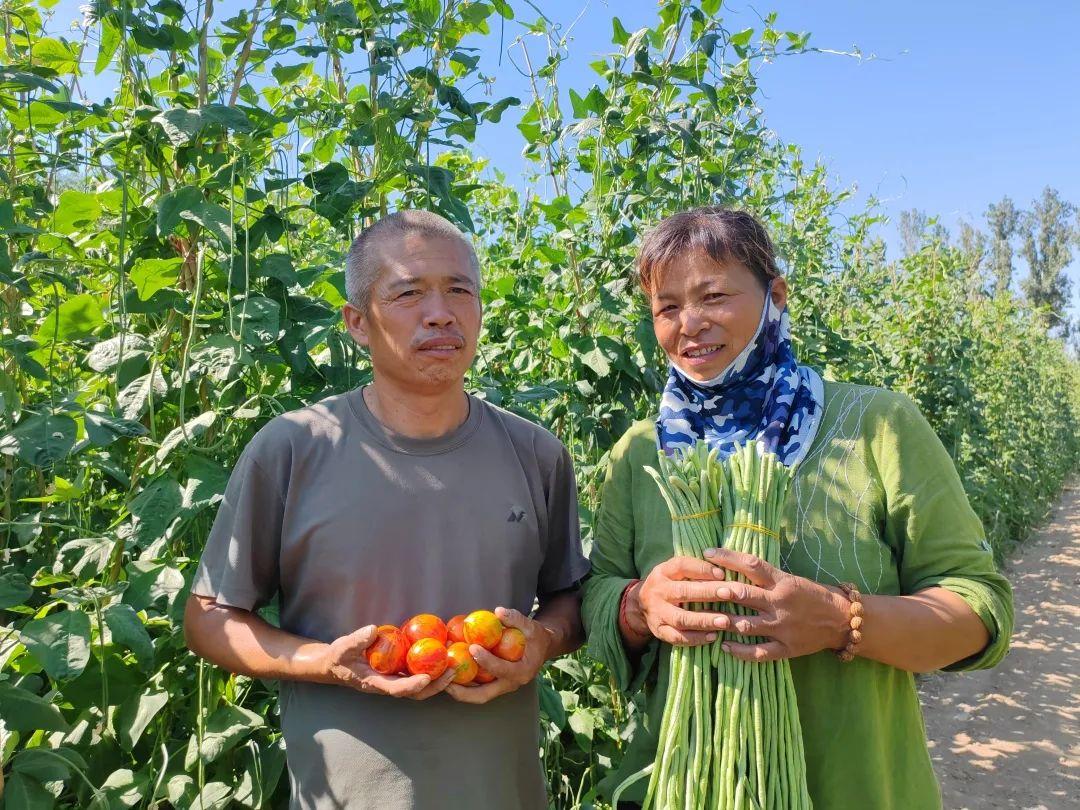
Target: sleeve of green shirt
613 568
936 535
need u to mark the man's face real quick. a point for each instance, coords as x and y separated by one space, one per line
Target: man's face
423 321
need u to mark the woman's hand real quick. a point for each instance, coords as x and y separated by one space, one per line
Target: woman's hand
795 615
653 605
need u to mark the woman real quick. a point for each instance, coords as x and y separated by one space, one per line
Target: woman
875 502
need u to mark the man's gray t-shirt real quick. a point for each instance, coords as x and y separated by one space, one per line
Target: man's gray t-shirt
349 524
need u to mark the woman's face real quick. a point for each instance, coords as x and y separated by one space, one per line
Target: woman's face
705 313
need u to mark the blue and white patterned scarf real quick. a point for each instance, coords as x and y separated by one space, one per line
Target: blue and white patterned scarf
763 394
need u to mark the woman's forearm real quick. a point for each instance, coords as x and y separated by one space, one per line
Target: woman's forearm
921 632
242 642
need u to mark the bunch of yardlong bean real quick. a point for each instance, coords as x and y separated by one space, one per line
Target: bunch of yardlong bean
730 736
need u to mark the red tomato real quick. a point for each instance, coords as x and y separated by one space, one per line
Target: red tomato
386 655
427 657
424 626
511 646
455 628
482 675
461 661
484 628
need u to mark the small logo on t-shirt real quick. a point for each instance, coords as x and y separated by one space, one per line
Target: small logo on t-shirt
516 516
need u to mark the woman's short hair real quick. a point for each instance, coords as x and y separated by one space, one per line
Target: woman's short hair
362 263
724 234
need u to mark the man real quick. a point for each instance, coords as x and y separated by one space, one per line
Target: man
406 496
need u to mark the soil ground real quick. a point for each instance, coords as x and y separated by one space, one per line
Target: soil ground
1010 737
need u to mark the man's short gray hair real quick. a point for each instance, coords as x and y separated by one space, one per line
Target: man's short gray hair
362 264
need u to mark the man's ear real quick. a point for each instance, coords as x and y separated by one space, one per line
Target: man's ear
356 322
779 292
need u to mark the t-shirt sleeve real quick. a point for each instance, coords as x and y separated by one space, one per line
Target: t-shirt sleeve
239 565
564 565
936 535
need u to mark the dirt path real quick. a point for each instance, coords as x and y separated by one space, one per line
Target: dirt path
1010 737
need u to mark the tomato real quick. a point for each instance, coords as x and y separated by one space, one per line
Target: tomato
484 628
427 656
511 646
424 625
462 662
455 628
386 655
482 675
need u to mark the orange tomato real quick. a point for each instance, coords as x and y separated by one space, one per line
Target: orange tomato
511 646
482 675
484 628
424 625
386 655
455 628
462 662
427 656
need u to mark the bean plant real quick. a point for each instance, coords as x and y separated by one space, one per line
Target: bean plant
171 278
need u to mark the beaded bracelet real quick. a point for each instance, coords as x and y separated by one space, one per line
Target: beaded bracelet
855 612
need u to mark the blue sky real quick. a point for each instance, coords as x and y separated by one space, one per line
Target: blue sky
952 106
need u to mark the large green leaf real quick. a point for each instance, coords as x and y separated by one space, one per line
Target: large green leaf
206 481
24 711
14 589
103 429
107 354
225 728
127 628
155 507
87 556
74 319
41 440
173 206
48 764
52 53
151 275
135 397
182 125
60 642
108 45
118 684
259 319
215 219
123 788
189 431
26 793
219 356
150 581
137 712
76 209
213 796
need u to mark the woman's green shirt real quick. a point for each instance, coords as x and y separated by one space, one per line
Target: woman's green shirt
878 502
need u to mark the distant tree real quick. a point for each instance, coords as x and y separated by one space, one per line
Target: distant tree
1002 218
916 228
974 246
1047 233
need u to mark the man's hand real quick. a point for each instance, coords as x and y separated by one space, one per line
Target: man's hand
345 664
509 675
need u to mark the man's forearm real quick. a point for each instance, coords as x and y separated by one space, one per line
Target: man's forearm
560 615
242 642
